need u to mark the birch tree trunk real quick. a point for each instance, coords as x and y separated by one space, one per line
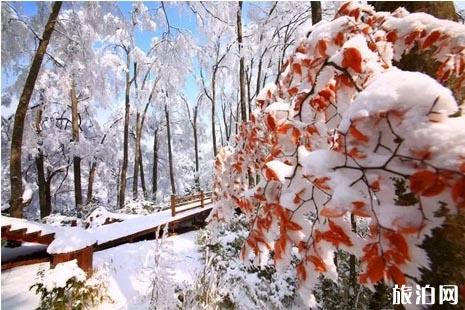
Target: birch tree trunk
16 183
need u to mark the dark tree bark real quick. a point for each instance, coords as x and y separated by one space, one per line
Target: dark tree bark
213 100
16 199
90 182
136 159
316 11
155 164
241 64
140 119
124 167
196 148
75 135
45 209
170 153
142 176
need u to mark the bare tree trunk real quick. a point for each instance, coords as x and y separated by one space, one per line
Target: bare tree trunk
90 182
227 129
75 135
196 149
352 259
44 208
16 183
316 11
48 196
249 97
155 165
170 153
124 168
241 63
135 178
215 149
221 134
142 176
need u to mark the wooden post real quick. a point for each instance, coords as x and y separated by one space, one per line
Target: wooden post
201 199
83 256
173 206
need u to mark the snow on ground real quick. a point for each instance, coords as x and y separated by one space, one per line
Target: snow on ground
126 269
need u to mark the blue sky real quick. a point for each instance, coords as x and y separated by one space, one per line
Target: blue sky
183 19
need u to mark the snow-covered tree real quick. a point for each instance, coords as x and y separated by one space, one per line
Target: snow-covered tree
343 135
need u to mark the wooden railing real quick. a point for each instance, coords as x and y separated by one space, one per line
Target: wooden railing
179 201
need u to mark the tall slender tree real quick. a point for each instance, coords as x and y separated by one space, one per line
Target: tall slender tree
16 200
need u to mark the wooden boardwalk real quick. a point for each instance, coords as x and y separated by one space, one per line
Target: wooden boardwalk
183 210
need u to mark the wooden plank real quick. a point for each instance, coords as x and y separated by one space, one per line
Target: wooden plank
5 229
24 262
83 256
46 239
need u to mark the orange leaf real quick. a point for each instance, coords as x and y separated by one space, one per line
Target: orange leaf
343 10
237 167
352 58
375 186
375 269
398 242
322 45
293 91
427 183
431 39
301 49
391 36
295 135
320 266
312 129
396 275
359 209
321 183
284 128
293 226
358 135
270 175
332 212
297 69
336 235
271 122
458 190
301 272
339 39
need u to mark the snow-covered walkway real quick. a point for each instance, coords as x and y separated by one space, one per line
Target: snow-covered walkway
131 226
68 239
126 269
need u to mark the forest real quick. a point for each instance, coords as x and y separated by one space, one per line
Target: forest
233 155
